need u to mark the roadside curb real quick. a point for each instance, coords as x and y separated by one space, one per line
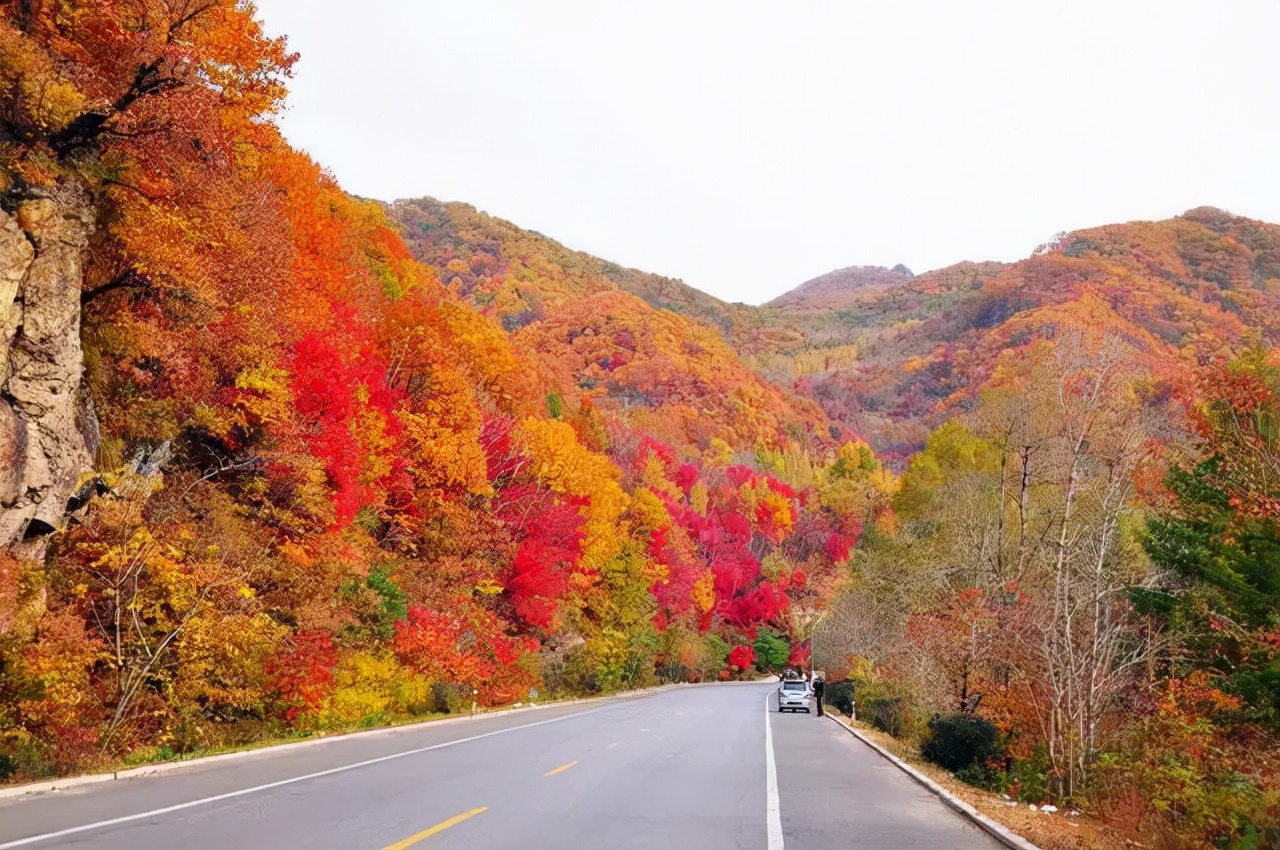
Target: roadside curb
996 830
178 764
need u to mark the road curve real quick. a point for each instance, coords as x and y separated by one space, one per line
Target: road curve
711 766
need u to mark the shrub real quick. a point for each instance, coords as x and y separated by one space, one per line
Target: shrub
672 671
960 741
371 688
411 694
448 699
982 775
890 705
714 656
888 714
1177 771
840 695
578 675
1031 777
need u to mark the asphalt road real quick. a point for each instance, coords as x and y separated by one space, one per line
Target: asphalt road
710 766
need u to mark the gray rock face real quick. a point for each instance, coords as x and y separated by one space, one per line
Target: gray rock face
13 452
42 447
16 254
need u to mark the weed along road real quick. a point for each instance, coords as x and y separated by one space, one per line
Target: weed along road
709 766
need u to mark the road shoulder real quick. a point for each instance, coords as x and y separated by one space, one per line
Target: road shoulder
995 829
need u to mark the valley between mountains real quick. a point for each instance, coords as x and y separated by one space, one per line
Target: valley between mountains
277 461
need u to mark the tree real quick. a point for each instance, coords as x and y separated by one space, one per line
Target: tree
1220 536
960 638
1088 643
741 656
107 107
109 79
771 651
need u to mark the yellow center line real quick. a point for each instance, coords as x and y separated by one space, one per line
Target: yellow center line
440 827
561 769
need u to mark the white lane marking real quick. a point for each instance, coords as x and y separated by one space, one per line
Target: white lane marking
205 800
773 811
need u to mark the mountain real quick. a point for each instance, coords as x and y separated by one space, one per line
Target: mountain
840 288
886 354
649 347
894 358
277 458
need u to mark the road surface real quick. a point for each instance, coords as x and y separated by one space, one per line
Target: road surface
709 766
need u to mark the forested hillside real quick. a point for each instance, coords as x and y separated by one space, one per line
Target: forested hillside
1079 558
275 460
1079 598
266 473
895 360
612 338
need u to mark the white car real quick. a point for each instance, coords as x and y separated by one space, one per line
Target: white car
794 695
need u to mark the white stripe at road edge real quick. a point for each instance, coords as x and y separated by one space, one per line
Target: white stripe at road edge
205 800
773 811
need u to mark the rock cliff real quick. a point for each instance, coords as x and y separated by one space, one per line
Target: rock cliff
43 418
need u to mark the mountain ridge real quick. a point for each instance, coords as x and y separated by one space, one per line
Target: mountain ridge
889 354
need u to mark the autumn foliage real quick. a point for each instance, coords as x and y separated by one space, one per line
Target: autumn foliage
340 481
359 462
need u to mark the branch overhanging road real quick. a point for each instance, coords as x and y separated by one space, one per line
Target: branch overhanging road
711 766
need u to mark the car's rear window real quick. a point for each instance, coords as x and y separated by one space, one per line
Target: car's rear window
793 686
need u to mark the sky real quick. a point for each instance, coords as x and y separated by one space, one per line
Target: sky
745 147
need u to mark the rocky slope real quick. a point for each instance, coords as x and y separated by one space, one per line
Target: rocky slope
46 424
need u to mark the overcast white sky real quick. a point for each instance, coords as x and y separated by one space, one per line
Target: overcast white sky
746 147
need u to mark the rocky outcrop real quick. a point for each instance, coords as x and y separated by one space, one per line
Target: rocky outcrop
42 447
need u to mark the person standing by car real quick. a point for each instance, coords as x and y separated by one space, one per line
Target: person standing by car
819 687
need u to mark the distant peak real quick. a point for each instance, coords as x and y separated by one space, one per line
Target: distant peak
1215 219
1207 212
841 286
